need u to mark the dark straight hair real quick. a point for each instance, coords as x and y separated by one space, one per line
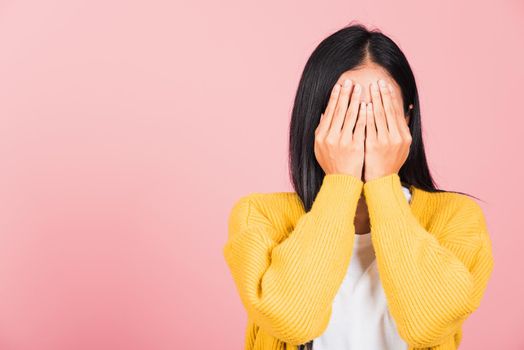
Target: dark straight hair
346 49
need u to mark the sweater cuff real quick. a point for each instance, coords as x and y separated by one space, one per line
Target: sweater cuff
338 192
385 198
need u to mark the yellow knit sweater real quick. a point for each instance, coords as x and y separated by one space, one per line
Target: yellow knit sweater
433 253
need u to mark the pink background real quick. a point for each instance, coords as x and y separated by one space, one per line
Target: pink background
129 128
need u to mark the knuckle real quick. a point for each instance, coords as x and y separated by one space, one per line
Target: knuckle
335 90
330 141
345 143
383 142
396 141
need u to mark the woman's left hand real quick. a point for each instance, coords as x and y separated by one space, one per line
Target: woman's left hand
387 145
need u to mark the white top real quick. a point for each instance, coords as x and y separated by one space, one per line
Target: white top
360 317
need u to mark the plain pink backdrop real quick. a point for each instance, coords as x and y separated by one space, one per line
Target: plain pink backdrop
129 128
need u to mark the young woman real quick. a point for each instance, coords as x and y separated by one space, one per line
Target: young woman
366 253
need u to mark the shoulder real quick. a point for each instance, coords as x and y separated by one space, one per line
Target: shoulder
271 205
457 216
460 207
467 228
276 211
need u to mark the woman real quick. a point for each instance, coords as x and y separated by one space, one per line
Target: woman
366 253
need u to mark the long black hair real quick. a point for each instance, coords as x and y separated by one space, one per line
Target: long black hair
347 49
344 50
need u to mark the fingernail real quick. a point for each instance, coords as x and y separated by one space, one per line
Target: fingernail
357 87
347 83
374 86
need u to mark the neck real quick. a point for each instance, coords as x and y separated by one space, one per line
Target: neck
361 221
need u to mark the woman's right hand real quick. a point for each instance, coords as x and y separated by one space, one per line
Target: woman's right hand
338 149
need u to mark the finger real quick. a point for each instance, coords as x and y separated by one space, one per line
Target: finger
325 122
317 129
341 108
360 128
332 100
404 127
371 132
352 113
378 110
389 110
395 101
401 118
404 130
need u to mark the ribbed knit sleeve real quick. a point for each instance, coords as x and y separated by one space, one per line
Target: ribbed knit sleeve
430 292
288 286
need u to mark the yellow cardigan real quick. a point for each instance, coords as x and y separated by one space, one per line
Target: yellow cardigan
434 257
